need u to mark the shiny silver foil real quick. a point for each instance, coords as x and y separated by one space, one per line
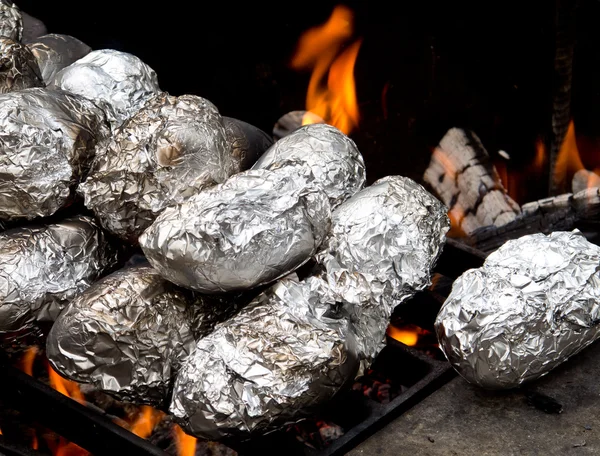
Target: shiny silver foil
42 268
126 335
383 245
54 52
18 67
47 142
533 304
249 231
321 155
270 364
117 81
247 143
169 150
11 21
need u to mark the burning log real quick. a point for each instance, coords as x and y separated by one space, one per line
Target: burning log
18 67
557 213
260 224
55 52
128 333
462 175
532 305
298 343
170 149
44 267
584 179
118 82
11 20
290 122
48 142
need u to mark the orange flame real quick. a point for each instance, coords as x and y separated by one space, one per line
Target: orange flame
319 50
568 161
186 444
28 359
64 386
147 420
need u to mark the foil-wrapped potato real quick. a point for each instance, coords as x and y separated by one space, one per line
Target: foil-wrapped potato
117 81
272 363
129 332
382 247
18 67
43 267
169 150
11 21
46 147
251 230
533 304
247 143
321 155
54 52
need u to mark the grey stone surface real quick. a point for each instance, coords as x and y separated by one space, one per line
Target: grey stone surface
461 419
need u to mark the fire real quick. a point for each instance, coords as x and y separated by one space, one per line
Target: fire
568 161
28 359
186 444
146 421
64 386
319 50
408 335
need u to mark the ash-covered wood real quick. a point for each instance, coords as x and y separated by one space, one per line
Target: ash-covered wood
584 179
292 121
461 173
557 213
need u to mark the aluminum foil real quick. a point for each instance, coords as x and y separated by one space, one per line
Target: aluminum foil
54 52
18 67
383 245
11 21
47 141
533 304
42 268
117 81
270 364
126 335
249 231
169 150
247 143
322 155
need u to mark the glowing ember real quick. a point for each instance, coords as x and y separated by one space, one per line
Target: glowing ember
408 335
186 444
146 421
319 50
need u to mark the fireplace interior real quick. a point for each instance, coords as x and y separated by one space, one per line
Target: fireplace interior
522 77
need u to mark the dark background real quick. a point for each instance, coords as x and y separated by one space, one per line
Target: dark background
480 65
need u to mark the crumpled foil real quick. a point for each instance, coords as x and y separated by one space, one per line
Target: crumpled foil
11 21
383 245
18 67
47 142
247 143
43 267
534 303
169 150
249 231
54 52
271 363
322 155
117 81
128 333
